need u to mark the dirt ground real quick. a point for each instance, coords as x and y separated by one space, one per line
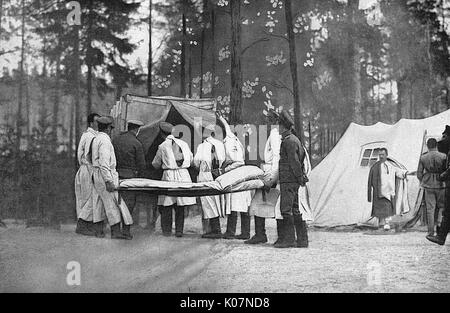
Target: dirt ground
35 260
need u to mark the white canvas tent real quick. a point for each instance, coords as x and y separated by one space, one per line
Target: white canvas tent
338 185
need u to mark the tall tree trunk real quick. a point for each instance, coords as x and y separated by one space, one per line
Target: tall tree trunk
400 90
19 122
28 105
1 15
76 94
236 69
56 101
190 72
356 62
183 50
298 119
202 44
89 54
150 50
213 50
430 71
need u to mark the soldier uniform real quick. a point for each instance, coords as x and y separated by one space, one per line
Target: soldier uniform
291 176
445 224
130 162
431 165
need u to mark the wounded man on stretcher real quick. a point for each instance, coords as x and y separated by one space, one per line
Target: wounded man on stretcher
240 179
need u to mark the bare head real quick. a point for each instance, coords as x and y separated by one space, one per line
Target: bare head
92 120
383 154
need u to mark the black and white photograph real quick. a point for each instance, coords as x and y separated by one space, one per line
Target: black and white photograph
252 148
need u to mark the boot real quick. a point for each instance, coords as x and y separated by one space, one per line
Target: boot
231 226
302 232
216 232
279 232
98 229
245 227
126 231
179 221
116 233
260 232
83 228
166 221
288 233
442 235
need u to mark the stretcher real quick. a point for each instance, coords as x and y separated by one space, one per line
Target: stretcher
177 189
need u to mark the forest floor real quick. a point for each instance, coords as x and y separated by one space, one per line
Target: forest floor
35 260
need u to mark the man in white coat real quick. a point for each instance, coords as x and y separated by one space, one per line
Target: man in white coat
106 180
175 158
83 179
210 157
270 168
240 201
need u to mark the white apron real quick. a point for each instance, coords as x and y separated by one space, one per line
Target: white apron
165 159
235 155
83 178
107 203
212 206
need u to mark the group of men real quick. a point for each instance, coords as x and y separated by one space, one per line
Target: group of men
104 161
434 175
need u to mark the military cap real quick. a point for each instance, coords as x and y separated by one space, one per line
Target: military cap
135 122
166 127
286 119
105 120
447 130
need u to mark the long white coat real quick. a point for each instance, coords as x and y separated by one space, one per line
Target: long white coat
165 159
235 155
104 163
83 178
213 206
267 207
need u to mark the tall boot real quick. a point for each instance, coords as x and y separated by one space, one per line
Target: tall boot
83 228
288 233
126 231
216 232
301 231
99 229
166 220
116 233
443 231
260 232
245 227
231 226
179 221
279 232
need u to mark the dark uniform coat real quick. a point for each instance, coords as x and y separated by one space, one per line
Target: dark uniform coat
291 173
130 155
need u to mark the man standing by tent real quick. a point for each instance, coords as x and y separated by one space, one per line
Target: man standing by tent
381 180
209 158
106 180
130 162
431 165
239 201
83 179
174 157
445 224
292 176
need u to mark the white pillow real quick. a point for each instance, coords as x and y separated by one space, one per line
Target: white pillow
239 175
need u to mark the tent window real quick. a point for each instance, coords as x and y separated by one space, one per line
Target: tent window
370 157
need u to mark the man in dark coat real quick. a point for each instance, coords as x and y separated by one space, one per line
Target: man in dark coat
291 176
381 181
130 162
445 176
